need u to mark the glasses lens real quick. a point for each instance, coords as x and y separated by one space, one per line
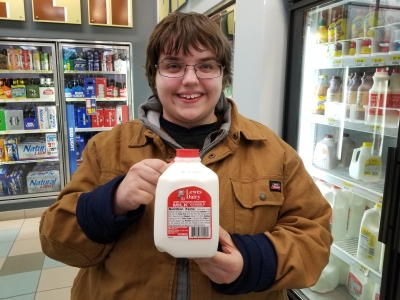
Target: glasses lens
208 70
171 69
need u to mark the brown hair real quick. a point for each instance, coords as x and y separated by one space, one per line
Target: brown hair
183 30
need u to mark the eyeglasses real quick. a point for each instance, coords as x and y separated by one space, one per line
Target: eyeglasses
206 70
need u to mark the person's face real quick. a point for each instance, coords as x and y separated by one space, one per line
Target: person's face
189 101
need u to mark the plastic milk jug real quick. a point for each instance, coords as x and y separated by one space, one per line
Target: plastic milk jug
376 293
364 165
356 213
325 153
324 187
186 212
358 285
340 211
344 268
369 248
329 278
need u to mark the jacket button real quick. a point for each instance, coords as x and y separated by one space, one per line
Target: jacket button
262 196
211 156
235 135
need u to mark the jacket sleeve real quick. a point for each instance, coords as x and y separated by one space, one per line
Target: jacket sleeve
79 243
301 237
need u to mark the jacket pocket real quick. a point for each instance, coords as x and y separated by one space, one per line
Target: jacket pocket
257 205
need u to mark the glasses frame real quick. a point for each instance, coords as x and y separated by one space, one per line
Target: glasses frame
221 70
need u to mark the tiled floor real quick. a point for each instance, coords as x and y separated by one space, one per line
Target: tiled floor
25 272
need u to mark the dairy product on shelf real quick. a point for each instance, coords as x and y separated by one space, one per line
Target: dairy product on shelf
369 248
358 285
320 95
348 146
362 95
344 268
356 213
329 278
340 210
365 165
325 153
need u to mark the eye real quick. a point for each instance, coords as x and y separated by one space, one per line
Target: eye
172 66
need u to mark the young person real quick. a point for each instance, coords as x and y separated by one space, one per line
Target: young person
274 222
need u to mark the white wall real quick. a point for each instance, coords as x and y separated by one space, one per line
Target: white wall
260 60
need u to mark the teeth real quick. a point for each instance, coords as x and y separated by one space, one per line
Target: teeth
190 96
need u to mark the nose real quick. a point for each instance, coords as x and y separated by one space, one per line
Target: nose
190 75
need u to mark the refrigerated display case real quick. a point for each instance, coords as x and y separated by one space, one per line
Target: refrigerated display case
31 168
347 55
96 95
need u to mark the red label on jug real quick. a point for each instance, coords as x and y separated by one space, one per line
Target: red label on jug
378 100
189 214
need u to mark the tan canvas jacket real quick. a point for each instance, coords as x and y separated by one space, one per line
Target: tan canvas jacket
295 220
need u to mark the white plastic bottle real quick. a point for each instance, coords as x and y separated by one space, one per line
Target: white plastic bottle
344 268
365 165
186 211
324 187
380 98
329 278
376 293
356 213
340 211
358 285
369 248
325 153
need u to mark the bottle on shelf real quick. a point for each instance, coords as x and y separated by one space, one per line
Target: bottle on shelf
331 28
362 95
329 278
369 248
351 99
356 213
320 95
340 211
357 24
380 107
324 187
395 89
333 97
322 32
348 146
325 153
365 165
359 285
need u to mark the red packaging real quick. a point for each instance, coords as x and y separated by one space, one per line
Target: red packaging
98 118
110 116
101 87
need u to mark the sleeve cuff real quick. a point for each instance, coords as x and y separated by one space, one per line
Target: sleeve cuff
259 268
96 218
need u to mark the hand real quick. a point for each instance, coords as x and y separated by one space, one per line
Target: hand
138 186
223 267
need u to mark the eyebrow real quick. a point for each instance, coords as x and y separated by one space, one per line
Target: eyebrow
175 58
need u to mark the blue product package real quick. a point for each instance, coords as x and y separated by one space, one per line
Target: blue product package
3 180
83 119
89 87
71 138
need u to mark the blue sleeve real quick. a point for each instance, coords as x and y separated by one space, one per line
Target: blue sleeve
96 218
259 268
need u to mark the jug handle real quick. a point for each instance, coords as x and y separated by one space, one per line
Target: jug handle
354 157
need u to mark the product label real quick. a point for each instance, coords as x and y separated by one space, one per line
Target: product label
396 100
321 102
189 214
334 97
354 286
367 244
372 167
379 100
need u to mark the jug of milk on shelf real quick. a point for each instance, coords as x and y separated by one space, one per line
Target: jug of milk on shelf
325 153
186 209
364 165
323 186
340 211
376 293
369 248
358 285
348 146
356 213
329 278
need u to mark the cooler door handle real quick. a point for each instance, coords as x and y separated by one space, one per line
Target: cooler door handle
389 202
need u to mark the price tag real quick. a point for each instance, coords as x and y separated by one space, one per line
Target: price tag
91 106
360 62
331 121
395 59
51 144
378 61
338 63
363 269
375 128
347 186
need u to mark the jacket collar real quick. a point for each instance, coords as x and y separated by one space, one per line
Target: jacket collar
236 125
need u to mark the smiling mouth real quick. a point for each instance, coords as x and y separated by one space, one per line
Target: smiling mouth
190 96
